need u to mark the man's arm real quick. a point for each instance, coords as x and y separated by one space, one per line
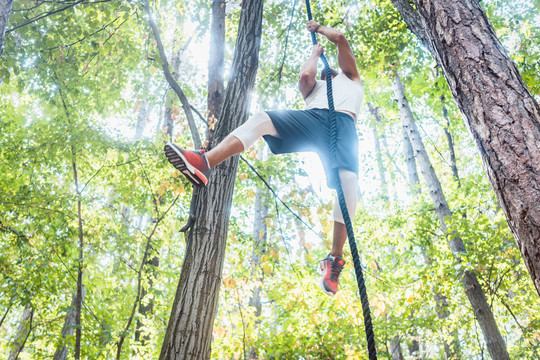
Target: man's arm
346 59
308 74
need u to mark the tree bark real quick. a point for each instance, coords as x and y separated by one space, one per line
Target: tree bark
473 290
68 329
23 331
501 114
189 331
5 12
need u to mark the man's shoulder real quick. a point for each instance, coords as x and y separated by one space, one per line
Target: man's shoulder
346 77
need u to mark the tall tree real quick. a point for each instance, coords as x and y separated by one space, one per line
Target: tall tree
215 65
378 154
68 329
189 331
502 115
473 290
23 331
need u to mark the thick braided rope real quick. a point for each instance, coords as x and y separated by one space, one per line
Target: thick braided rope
370 336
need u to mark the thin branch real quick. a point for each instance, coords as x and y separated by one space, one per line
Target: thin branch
106 40
139 280
430 140
5 314
85 37
278 198
46 15
286 43
243 323
199 114
78 303
172 81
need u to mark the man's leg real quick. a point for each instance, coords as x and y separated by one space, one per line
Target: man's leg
241 138
349 183
197 166
332 265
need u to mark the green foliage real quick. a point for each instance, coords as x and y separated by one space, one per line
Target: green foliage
72 86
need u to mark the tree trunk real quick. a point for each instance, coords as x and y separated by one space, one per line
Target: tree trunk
189 331
501 114
414 346
23 331
5 12
144 109
452 349
412 171
474 292
378 157
146 303
260 235
450 141
68 329
215 65
395 349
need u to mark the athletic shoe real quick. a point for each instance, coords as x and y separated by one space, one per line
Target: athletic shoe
331 267
192 164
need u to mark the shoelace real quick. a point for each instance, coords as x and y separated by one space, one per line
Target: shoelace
335 270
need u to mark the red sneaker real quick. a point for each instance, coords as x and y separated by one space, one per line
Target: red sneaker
331 267
192 164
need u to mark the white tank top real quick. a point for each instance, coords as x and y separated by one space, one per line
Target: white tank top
348 95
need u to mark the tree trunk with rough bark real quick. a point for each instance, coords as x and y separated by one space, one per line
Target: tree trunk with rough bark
473 290
23 331
189 331
6 7
502 116
68 329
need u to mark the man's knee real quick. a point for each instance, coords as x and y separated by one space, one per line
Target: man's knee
260 117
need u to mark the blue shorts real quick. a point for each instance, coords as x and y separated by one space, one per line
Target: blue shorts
309 130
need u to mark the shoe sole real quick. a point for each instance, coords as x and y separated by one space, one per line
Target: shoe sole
321 283
179 161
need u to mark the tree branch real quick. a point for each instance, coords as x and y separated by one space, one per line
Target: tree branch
139 280
172 81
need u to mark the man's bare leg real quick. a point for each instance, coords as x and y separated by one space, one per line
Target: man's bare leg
242 138
340 236
230 146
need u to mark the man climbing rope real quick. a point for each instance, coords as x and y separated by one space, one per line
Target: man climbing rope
287 131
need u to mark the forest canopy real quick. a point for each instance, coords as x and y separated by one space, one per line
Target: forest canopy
91 213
